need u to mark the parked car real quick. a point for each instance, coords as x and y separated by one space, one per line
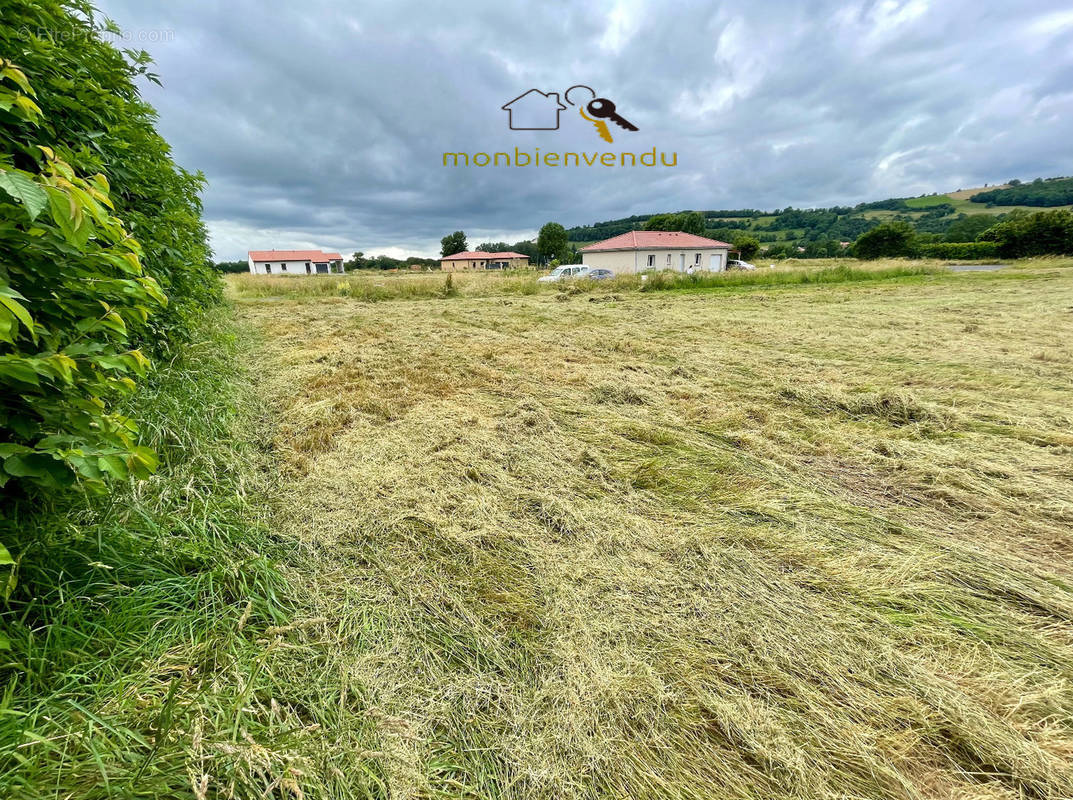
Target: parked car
737 264
599 274
564 272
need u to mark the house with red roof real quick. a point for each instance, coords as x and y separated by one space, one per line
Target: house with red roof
475 259
638 251
294 262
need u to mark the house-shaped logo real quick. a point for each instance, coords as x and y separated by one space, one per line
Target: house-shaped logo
534 111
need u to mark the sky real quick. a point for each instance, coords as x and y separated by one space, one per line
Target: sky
323 123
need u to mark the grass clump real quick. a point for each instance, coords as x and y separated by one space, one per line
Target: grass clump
897 407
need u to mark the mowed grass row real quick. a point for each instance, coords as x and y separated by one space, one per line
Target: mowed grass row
805 543
387 286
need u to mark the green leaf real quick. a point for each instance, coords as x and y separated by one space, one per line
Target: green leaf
19 369
8 326
18 76
24 189
5 556
29 108
19 310
142 462
28 466
114 466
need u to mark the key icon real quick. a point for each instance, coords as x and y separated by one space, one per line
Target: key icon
601 127
605 109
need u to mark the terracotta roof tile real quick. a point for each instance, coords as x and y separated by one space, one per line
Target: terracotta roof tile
654 240
294 255
469 255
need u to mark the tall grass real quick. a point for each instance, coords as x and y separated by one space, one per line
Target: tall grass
147 658
374 288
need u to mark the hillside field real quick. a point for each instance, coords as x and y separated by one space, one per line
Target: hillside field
742 542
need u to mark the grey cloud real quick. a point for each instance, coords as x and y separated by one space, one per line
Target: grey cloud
323 123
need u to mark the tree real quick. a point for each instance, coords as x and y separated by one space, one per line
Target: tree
887 240
690 222
686 221
748 247
232 267
453 243
356 261
967 227
1042 233
526 247
552 241
493 247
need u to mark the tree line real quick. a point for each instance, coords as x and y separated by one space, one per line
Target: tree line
1020 234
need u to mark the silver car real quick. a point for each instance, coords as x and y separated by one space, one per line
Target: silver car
564 272
599 274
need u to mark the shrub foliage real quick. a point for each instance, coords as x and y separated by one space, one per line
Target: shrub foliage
98 231
1039 234
958 250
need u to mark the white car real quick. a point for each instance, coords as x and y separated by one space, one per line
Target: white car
564 272
735 263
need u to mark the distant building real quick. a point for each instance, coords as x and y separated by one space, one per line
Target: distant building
638 251
475 259
294 262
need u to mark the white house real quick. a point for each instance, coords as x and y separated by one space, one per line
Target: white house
638 251
294 262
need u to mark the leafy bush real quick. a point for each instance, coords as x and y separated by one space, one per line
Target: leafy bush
102 248
71 292
747 246
1040 234
958 250
968 227
891 239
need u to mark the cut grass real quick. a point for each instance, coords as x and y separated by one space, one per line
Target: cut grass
806 543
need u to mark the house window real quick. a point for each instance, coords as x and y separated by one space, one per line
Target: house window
696 258
283 267
651 261
268 269
307 268
668 260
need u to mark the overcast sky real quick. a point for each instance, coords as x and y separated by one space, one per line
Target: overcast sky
323 123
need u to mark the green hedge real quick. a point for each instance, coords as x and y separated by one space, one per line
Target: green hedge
103 252
958 250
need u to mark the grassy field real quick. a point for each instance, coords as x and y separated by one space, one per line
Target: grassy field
375 287
927 202
806 540
805 533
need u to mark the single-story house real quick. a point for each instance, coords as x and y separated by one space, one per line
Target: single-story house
475 259
638 251
294 262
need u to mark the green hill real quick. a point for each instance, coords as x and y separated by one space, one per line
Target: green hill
821 231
